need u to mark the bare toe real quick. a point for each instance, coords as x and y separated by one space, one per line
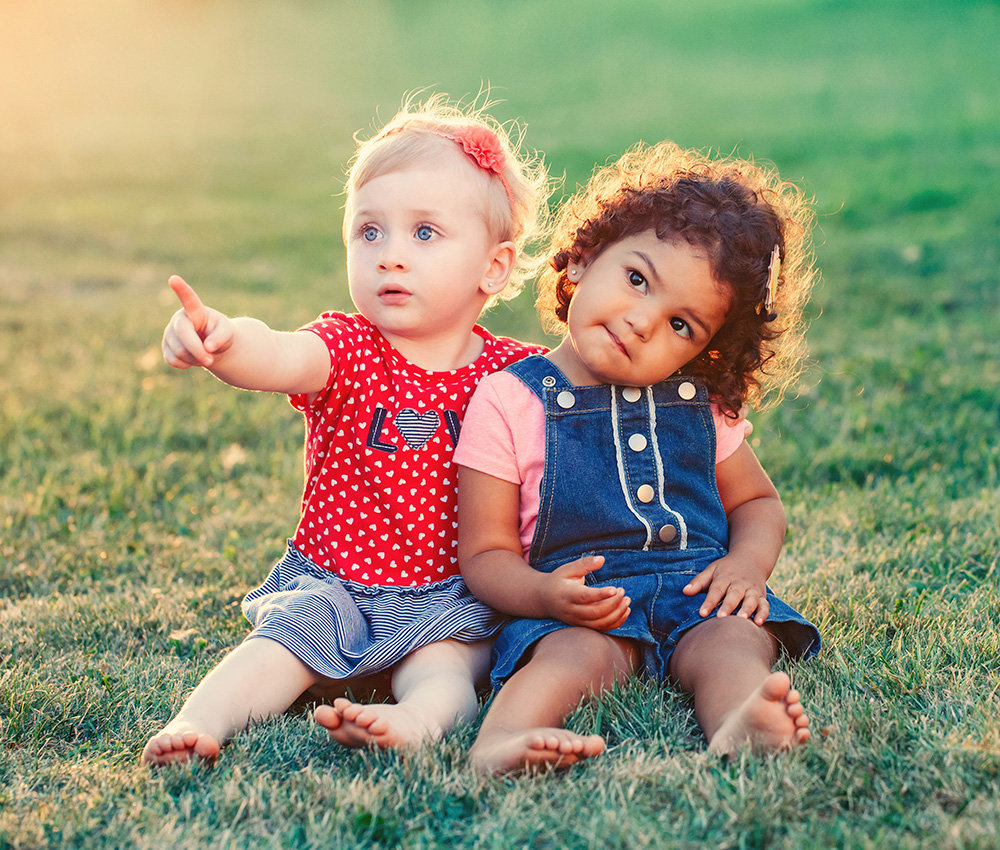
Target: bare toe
380 725
206 747
777 686
181 745
352 712
534 749
327 716
771 719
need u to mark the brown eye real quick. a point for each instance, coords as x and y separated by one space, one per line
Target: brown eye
681 327
637 280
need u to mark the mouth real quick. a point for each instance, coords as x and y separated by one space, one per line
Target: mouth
617 342
392 293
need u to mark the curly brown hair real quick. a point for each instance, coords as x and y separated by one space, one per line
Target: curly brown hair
736 212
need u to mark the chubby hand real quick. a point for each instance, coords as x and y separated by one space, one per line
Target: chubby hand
729 584
566 597
195 332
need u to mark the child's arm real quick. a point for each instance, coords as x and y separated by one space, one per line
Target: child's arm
489 555
243 352
737 582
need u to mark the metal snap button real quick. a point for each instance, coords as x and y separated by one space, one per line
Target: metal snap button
637 442
667 533
687 391
645 493
631 393
565 399
548 381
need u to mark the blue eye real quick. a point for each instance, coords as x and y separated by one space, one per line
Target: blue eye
369 234
424 233
681 327
637 280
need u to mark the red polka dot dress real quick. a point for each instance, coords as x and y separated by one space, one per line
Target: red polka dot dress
371 573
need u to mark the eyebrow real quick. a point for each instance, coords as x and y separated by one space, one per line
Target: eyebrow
642 255
700 322
369 212
647 260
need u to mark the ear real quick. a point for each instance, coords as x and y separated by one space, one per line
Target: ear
574 270
500 266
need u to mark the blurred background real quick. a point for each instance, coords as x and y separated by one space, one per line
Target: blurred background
209 137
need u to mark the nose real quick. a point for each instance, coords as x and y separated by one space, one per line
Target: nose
392 257
642 322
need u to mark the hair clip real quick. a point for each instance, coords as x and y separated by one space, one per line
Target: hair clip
483 147
773 272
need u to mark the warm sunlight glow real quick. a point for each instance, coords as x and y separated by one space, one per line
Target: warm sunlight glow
108 77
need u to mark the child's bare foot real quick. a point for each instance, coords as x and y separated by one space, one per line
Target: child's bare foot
770 719
380 725
179 740
532 749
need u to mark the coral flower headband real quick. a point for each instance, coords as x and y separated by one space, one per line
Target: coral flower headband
480 144
483 147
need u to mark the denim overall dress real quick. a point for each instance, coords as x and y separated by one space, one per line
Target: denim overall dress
630 474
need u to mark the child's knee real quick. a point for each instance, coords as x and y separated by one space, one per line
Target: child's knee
721 634
595 655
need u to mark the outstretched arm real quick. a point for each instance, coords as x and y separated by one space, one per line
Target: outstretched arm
243 352
738 582
489 554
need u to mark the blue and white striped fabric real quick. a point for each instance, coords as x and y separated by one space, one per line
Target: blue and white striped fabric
343 629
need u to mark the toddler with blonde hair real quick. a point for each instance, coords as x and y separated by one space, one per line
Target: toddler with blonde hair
441 204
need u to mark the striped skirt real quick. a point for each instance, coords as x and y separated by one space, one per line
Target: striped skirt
341 629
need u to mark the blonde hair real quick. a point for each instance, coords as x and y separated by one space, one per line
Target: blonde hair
733 209
515 208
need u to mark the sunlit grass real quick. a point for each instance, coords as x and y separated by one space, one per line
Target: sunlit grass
138 505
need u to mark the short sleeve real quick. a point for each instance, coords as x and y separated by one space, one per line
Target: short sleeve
729 435
486 443
331 331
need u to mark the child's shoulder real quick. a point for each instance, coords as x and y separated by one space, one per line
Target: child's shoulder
338 322
729 433
349 332
507 394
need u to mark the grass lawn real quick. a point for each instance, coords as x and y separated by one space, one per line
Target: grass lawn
137 505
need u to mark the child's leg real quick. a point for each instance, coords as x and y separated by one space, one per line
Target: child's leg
257 680
434 688
725 663
523 726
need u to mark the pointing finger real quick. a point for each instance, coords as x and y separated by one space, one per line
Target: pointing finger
190 302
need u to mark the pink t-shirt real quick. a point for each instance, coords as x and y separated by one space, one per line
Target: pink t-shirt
504 436
380 499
